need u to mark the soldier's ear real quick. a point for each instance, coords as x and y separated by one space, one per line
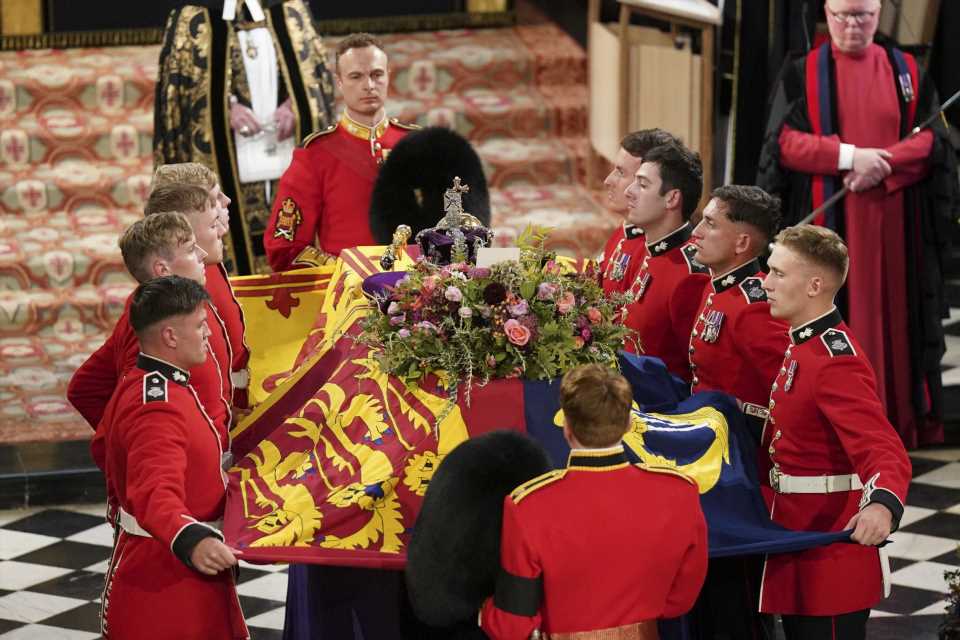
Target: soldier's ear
815 286
168 335
160 268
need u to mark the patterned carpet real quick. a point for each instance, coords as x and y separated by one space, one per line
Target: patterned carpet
75 166
52 562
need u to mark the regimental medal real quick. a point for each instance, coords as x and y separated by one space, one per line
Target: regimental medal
791 372
711 326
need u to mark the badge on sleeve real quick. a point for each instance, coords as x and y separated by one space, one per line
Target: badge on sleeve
753 290
288 219
154 388
837 343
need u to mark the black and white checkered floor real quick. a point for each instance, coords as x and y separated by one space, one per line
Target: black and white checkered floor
52 562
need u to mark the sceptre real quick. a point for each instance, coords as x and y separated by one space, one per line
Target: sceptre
832 200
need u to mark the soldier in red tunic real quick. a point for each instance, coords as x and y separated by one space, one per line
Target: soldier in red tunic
560 571
626 247
169 575
669 283
218 282
837 462
158 245
736 347
323 199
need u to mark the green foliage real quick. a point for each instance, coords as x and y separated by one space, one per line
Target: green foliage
533 318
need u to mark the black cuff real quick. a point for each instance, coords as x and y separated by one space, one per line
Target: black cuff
518 595
188 538
890 500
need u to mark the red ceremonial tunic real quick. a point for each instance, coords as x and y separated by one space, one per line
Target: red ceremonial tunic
163 466
94 382
598 545
622 256
826 419
323 199
230 311
736 346
869 116
668 287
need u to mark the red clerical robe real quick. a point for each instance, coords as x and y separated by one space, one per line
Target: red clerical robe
162 464
622 256
826 420
323 199
668 287
562 572
868 107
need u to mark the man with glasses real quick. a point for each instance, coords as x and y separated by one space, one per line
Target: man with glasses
841 116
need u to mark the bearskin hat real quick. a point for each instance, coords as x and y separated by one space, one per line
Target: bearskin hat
418 170
454 553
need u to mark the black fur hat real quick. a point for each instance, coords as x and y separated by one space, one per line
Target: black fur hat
454 553
409 189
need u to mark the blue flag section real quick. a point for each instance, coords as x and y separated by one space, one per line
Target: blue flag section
705 436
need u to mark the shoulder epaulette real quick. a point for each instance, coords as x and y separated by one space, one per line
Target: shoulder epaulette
154 387
405 125
837 343
753 290
667 470
689 251
318 134
532 485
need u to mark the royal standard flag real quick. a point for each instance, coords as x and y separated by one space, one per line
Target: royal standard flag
333 466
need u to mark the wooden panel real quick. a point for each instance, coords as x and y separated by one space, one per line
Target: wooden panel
21 17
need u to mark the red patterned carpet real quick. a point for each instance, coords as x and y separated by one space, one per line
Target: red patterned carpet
75 165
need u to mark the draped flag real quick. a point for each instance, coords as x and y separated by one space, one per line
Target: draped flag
333 466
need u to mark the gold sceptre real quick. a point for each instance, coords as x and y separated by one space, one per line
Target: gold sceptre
395 251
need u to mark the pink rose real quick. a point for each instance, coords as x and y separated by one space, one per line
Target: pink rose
594 315
465 312
429 284
516 332
516 373
567 302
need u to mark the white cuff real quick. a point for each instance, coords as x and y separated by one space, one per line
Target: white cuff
845 162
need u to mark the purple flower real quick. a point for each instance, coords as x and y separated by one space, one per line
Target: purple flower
586 334
404 333
479 272
519 309
465 312
453 294
426 326
484 311
547 291
396 321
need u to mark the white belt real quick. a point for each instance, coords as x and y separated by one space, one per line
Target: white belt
783 483
240 379
129 524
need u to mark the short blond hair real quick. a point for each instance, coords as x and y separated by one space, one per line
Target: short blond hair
158 235
596 402
185 173
187 198
818 245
